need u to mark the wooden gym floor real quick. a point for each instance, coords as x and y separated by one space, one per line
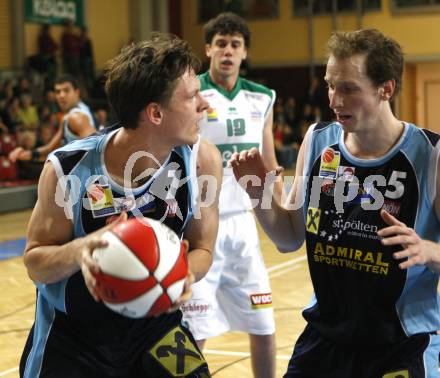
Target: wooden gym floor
227 355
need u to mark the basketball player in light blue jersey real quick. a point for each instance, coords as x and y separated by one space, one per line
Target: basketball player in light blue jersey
147 167
76 123
369 210
236 291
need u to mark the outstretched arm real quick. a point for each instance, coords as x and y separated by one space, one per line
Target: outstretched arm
283 223
20 153
201 231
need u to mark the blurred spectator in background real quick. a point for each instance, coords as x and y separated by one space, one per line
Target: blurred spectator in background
49 102
27 113
290 113
86 60
70 45
278 110
77 121
10 114
7 90
46 132
23 86
101 117
47 48
286 144
315 92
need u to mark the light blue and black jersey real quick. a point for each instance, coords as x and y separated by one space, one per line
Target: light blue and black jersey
361 295
81 107
68 320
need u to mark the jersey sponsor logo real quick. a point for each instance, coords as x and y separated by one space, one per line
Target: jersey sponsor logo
351 258
345 173
177 354
255 96
228 149
353 228
196 308
312 221
100 200
397 374
260 301
392 207
232 110
256 114
211 115
172 207
329 163
328 187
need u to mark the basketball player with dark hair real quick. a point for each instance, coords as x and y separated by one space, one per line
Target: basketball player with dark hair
236 291
146 167
369 211
76 122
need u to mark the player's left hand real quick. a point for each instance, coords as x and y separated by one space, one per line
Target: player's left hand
186 294
418 251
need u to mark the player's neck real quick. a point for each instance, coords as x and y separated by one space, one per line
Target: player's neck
138 154
375 141
226 82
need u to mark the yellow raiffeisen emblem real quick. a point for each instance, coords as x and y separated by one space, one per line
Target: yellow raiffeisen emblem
177 354
312 221
397 374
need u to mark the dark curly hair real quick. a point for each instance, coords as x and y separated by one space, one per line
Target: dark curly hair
227 23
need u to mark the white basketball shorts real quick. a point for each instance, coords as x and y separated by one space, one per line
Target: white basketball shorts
235 294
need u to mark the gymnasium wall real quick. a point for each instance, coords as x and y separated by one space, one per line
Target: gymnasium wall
280 50
5 35
108 23
284 41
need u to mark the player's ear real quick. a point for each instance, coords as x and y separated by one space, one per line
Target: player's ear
388 89
208 50
154 113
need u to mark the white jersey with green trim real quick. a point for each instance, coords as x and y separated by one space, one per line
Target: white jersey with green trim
234 122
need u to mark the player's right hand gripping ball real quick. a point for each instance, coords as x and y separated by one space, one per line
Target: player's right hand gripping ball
143 268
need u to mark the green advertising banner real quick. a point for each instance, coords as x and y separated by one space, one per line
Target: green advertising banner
54 11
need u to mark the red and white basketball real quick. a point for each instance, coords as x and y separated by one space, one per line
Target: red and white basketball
143 268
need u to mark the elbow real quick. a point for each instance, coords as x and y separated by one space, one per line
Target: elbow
291 246
31 263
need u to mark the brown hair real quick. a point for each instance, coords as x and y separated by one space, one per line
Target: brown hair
384 56
146 72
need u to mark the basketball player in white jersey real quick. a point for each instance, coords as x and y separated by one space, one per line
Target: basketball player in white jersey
235 294
77 121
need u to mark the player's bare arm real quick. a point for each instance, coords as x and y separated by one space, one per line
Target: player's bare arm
50 254
53 144
268 155
284 223
79 124
201 231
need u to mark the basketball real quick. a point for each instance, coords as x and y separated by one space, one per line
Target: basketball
143 268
